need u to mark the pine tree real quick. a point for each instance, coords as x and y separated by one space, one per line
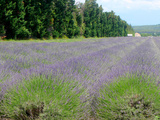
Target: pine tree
13 19
21 19
2 17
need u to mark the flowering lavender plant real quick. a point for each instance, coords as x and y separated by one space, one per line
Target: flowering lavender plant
77 80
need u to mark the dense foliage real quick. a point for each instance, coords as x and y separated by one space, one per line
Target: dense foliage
22 19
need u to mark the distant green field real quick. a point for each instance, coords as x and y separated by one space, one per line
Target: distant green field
147 30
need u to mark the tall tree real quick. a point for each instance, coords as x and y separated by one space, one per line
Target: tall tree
59 18
13 19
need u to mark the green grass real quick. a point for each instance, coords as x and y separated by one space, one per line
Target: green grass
42 98
47 41
130 98
60 40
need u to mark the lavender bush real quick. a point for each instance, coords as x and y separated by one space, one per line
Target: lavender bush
68 80
129 97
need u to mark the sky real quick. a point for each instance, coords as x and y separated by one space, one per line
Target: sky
134 12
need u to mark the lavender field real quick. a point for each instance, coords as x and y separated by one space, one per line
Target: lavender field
93 79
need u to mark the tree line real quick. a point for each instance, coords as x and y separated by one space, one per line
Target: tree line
23 19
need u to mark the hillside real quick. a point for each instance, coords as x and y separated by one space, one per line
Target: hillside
146 30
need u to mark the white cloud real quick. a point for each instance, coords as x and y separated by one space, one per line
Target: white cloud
135 12
122 5
144 4
82 1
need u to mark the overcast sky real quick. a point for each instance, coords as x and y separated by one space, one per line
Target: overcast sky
135 12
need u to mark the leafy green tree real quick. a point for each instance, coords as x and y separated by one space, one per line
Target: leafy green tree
39 16
13 18
2 17
21 19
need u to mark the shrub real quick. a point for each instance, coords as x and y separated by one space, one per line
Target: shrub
43 98
77 31
2 30
87 32
132 97
55 34
22 33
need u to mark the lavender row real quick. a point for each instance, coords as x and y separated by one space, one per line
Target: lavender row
17 56
90 64
86 68
142 60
